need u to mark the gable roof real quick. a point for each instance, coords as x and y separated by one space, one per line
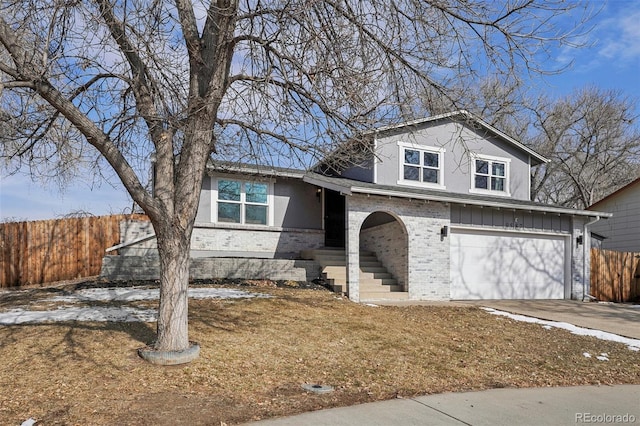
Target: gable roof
363 139
469 117
615 193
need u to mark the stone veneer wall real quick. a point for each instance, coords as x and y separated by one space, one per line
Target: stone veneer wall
247 241
226 241
389 243
428 253
148 268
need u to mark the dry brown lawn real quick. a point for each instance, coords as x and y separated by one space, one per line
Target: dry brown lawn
256 353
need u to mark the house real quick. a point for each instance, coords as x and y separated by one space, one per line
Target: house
435 209
622 231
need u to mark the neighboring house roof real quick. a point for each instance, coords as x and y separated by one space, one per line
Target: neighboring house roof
467 116
615 193
349 186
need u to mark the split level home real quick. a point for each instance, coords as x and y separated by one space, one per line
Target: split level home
434 209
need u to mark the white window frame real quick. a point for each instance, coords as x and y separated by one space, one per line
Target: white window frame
490 159
402 146
243 203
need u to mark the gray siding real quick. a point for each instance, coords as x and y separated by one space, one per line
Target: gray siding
362 172
622 231
458 140
296 205
204 206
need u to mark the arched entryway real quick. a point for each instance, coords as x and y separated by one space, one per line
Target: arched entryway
383 237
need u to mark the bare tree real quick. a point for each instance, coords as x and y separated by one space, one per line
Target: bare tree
501 102
593 143
109 82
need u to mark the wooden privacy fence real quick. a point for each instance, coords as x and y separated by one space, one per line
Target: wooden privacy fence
45 251
615 276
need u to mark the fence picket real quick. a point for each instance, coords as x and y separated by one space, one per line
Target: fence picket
615 276
45 251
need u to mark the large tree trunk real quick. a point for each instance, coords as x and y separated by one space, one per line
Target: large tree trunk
173 331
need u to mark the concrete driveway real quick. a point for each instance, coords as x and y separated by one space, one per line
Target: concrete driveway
617 318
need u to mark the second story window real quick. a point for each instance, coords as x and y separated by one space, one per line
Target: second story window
420 166
490 175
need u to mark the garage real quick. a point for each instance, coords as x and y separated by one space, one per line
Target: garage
508 265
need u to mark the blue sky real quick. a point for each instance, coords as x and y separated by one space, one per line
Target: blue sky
611 62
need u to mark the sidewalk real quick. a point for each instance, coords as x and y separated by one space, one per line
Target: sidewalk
534 406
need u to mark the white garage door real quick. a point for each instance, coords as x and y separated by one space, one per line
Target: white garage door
501 265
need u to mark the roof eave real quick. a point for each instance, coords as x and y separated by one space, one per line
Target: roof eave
495 204
257 170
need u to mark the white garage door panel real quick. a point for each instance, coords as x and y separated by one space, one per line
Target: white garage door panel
506 266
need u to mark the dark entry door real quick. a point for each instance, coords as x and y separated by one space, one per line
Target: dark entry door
334 220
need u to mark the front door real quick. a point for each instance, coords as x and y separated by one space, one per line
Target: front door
334 219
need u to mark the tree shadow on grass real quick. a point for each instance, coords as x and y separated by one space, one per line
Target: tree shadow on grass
64 341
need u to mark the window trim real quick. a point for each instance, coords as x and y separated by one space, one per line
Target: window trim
402 146
490 159
243 203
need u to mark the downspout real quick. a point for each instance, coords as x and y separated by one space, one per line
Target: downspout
584 258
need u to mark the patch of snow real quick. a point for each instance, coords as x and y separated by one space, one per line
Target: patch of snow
371 305
99 314
132 294
603 357
586 354
115 313
29 422
632 344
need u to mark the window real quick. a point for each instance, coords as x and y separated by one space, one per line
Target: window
420 166
243 202
490 174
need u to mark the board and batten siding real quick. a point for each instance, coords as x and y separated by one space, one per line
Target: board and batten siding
622 230
509 219
458 140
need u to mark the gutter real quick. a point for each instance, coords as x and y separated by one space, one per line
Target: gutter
484 203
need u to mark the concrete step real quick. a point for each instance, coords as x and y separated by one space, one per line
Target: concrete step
374 269
366 296
377 288
332 272
375 275
342 275
378 281
342 262
392 282
375 281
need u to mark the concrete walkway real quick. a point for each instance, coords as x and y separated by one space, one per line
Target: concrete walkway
535 406
617 318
